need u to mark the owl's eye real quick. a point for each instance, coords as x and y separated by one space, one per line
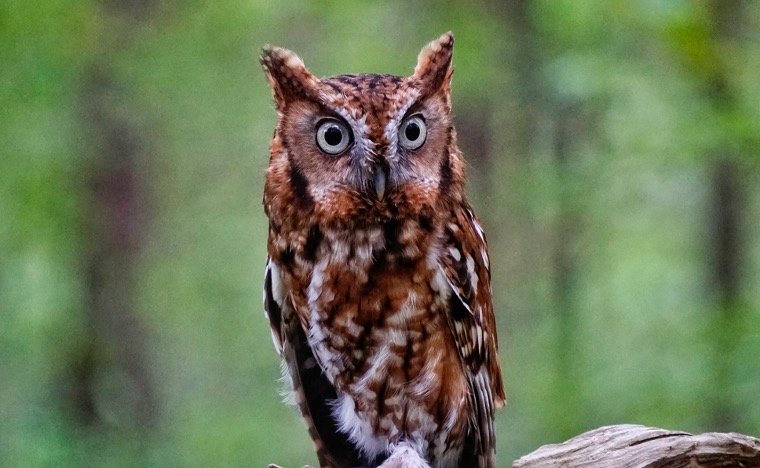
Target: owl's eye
412 132
333 137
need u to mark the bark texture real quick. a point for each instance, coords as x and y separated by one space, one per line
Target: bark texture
628 446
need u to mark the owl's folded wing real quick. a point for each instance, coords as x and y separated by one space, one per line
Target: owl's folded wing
464 263
312 390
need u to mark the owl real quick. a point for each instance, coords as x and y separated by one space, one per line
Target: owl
377 284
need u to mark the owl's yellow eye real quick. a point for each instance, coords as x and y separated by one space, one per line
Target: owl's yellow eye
412 132
333 137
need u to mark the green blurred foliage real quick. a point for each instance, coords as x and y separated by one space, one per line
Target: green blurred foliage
646 338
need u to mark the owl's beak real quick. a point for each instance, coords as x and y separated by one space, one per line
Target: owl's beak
379 182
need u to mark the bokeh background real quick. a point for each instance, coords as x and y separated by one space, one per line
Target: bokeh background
614 157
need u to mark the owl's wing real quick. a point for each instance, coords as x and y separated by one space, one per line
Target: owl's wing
464 262
274 298
311 388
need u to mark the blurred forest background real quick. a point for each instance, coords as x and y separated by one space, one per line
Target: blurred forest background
614 152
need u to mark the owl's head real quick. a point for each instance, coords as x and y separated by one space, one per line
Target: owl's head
365 146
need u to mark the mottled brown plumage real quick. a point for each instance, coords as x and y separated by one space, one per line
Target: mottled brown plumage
378 286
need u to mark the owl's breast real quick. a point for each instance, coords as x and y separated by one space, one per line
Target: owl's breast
373 303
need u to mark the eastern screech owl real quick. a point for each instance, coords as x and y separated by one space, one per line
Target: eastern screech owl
377 286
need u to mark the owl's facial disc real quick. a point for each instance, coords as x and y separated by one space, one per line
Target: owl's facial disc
366 141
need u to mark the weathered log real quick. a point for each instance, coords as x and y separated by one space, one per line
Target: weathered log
629 445
626 446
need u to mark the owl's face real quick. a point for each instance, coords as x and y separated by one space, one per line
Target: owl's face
365 145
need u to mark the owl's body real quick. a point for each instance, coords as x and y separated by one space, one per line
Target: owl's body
377 285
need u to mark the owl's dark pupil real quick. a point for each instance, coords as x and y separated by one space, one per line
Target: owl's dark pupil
333 136
412 131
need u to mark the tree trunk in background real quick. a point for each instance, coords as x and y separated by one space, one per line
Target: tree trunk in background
726 219
568 130
727 256
517 133
553 247
528 80
112 375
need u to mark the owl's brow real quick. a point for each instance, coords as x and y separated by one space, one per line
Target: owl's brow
415 107
326 111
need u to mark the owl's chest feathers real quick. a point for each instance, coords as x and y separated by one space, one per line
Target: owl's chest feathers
376 301
370 289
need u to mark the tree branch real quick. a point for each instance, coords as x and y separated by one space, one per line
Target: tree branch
630 445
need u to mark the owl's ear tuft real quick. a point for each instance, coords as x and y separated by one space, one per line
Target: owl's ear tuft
433 68
287 75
